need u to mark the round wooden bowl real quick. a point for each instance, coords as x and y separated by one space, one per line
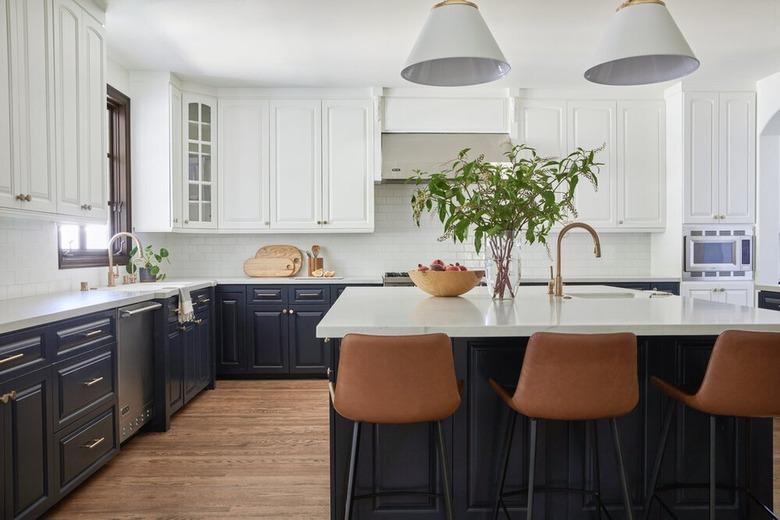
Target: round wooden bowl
446 283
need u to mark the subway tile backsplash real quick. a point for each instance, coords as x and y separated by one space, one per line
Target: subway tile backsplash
28 251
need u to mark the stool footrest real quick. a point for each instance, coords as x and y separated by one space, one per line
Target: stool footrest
555 489
397 494
704 485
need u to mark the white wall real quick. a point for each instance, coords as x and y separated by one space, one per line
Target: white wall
768 180
118 77
397 244
28 261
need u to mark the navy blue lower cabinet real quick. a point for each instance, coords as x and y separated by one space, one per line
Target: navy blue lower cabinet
308 353
268 332
769 300
176 366
27 439
197 370
231 355
397 457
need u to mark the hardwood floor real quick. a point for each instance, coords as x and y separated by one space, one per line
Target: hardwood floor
249 449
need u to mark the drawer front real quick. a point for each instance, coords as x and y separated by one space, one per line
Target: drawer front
79 451
265 294
85 333
311 294
25 350
201 300
83 384
769 300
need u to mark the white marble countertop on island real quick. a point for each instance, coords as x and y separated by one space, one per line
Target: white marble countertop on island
590 309
302 280
768 287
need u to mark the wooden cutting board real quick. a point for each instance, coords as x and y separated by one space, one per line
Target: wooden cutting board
274 261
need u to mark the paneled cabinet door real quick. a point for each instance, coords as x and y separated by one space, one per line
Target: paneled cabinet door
701 142
199 182
28 445
592 125
176 164
542 126
347 164
230 332
32 127
641 165
268 340
176 360
243 164
737 170
309 353
296 164
93 127
203 351
9 178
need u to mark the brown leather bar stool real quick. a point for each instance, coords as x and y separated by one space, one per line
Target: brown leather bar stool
742 380
396 380
571 377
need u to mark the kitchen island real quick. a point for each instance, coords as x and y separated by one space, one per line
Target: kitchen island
676 336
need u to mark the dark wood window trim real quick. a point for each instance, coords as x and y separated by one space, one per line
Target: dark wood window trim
118 106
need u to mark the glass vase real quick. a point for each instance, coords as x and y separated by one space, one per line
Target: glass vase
502 266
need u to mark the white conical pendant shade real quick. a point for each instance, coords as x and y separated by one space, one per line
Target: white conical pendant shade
642 45
455 48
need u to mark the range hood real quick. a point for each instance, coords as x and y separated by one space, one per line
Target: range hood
402 154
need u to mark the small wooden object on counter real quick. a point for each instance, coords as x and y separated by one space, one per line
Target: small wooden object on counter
274 261
315 264
446 283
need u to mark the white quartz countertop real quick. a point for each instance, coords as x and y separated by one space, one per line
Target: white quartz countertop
590 309
768 287
301 280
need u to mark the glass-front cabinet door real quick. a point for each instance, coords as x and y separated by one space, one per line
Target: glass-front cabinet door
200 121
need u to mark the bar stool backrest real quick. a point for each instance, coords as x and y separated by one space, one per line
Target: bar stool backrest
396 379
578 376
743 375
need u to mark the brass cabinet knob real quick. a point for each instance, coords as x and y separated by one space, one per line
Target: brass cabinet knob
20 197
175 221
28 197
284 311
292 311
6 398
267 223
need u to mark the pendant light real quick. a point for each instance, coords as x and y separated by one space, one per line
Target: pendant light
642 45
455 48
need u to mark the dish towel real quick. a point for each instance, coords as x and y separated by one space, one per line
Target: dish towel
186 312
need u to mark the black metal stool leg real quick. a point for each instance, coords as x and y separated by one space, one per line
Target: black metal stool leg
622 469
444 471
597 468
531 470
659 457
349 499
507 450
713 473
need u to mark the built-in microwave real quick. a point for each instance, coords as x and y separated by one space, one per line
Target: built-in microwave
724 253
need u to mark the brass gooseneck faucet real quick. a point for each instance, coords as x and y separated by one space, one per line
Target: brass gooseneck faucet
566 229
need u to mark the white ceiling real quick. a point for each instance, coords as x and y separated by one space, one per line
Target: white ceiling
351 43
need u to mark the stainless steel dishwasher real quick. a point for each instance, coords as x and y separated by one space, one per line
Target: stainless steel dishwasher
135 356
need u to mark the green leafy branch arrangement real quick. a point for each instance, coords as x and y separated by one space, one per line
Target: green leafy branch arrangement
148 259
497 201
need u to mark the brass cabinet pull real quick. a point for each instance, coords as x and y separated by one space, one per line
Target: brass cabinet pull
204 300
284 311
292 311
10 396
11 358
197 322
92 333
95 443
93 381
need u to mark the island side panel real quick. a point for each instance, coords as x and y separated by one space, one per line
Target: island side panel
398 457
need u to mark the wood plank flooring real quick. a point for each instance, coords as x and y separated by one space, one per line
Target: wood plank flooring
249 449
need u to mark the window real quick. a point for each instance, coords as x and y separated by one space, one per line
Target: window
86 245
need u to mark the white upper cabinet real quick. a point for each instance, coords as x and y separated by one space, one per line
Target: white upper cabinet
199 182
446 115
701 158
31 130
93 129
296 164
244 181
9 189
79 99
641 153
347 166
542 126
720 151
737 171
592 125
175 156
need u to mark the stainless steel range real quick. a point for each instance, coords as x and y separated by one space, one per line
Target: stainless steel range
397 279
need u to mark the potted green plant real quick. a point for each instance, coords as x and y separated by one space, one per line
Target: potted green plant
500 202
147 263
